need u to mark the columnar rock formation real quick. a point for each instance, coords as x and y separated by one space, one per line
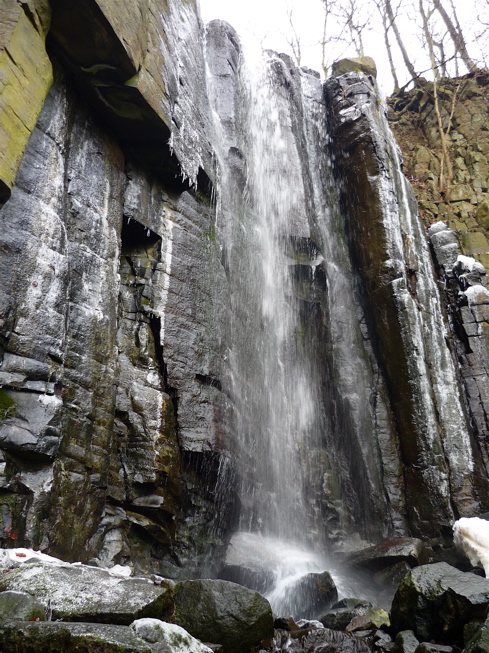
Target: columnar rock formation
119 420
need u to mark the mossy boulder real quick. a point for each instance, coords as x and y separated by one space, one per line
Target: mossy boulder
58 637
435 601
82 593
223 613
365 65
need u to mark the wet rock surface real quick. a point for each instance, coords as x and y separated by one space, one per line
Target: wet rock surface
222 612
70 637
118 425
81 593
390 253
437 600
98 372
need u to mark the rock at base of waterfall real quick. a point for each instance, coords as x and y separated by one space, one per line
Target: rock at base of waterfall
471 535
224 613
404 549
479 641
47 636
315 593
20 606
406 641
169 637
82 593
437 600
343 612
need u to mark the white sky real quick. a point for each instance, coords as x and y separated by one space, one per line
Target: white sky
266 22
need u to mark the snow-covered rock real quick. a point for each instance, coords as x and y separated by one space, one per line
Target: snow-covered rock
176 639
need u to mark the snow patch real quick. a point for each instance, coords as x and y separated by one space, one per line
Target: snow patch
477 294
471 535
467 264
177 639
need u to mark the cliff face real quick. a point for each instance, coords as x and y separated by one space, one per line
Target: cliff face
457 194
123 298
112 294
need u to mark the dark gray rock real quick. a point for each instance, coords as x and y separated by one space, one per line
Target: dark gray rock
222 613
45 637
314 593
435 601
20 606
81 593
339 617
396 281
406 549
479 642
406 642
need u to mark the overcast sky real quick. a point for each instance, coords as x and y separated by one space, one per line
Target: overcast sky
266 22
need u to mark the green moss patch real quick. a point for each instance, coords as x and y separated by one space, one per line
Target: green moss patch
7 405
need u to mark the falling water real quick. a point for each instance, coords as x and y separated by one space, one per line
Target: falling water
271 264
314 438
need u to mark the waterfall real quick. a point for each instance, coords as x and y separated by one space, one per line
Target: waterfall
271 263
327 441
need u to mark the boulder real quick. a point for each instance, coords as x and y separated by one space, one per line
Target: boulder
436 600
406 642
221 612
364 65
479 643
313 594
373 619
387 554
46 637
20 606
170 637
82 593
249 562
343 612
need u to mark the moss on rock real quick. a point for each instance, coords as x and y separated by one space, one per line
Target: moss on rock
25 78
7 405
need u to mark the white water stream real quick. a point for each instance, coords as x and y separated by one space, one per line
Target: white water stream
264 226
316 450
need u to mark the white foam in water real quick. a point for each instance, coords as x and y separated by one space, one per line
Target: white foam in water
288 562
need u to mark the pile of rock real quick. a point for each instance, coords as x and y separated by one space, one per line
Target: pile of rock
47 605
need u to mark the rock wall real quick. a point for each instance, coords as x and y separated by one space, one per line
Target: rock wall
455 213
112 298
117 417
440 459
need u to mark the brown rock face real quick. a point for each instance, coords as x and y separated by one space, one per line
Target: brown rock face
461 204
